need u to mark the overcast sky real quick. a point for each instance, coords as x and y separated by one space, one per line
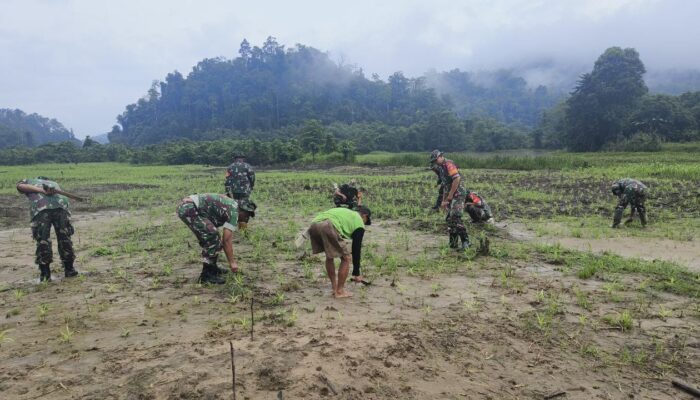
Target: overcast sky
83 61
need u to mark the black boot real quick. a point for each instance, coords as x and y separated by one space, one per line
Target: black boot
454 240
210 274
44 273
69 270
465 240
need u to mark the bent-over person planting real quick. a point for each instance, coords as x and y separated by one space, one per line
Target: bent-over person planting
329 234
203 214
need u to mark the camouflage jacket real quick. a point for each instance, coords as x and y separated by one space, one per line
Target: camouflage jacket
439 172
349 190
219 209
475 200
631 188
450 171
39 202
240 178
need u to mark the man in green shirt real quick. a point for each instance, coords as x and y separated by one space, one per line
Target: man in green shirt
47 209
329 233
203 214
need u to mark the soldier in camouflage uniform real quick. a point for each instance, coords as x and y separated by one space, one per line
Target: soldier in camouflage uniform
441 188
240 178
454 196
632 192
348 194
203 214
47 209
478 209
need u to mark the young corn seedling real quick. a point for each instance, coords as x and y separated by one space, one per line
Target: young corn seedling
66 334
42 311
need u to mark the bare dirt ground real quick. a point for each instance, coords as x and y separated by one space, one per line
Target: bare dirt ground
686 253
468 334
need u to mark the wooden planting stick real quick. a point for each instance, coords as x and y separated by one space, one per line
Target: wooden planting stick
233 371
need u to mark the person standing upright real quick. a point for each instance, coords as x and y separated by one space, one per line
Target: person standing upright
454 196
240 181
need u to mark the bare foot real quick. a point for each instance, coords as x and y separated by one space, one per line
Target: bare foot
357 279
344 293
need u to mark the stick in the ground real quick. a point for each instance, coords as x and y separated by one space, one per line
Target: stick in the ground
328 383
233 372
252 318
686 387
555 394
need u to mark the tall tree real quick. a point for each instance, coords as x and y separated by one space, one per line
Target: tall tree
603 99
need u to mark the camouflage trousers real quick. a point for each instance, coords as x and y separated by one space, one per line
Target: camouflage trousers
205 231
454 214
438 200
480 213
41 232
636 202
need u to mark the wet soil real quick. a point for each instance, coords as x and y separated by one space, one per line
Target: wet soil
469 334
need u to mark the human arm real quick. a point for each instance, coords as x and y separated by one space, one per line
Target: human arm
228 249
251 177
357 236
450 195
27 188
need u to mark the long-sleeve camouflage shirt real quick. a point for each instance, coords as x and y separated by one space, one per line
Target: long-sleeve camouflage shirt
630 191
39 202
240 178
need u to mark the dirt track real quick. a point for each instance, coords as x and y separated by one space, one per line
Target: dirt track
686 253
467 334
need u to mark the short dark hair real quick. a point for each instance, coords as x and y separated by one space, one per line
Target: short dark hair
365 211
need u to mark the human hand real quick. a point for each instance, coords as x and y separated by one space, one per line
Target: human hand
49 190
234 267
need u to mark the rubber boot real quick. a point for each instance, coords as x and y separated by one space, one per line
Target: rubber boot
44 273
69 270
454 240
465 240
211 275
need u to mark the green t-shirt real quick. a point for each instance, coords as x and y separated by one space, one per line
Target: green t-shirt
344 220
39 202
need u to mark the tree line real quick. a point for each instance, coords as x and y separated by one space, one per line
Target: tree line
611 109
19 129
285 104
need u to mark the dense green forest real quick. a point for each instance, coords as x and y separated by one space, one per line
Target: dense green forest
271 91
282 105
18 128
611 109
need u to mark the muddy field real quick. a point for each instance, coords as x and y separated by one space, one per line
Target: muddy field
521 321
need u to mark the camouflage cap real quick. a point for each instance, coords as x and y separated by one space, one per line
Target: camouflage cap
434 155
616 187
238 154
247 205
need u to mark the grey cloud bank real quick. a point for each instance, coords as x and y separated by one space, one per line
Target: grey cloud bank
82 62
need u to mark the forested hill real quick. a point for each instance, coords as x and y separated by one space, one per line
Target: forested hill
18 128
271 88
